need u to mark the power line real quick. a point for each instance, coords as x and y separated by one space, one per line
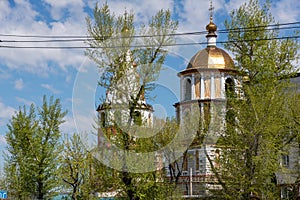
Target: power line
263 26
204 32
55 40
143 46
78 37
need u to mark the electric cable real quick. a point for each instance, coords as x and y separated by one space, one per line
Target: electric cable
143 46
242 29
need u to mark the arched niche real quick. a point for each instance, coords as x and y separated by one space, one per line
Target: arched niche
187 89
229 87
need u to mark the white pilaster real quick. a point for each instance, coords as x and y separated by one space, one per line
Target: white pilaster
181 88
212 86
193 87
191 181
222 82
202 86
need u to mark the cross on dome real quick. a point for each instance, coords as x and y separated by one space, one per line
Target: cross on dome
211 27
211 9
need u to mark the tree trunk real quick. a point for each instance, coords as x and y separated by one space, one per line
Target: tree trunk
130 189
74 193
40 195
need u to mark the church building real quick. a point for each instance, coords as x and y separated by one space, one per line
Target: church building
208 79
115 111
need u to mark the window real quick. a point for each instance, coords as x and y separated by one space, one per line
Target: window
188 89
119 95
118 117
103 120
185 163
286 193
185 173
229 87
137 118
285 160
197 160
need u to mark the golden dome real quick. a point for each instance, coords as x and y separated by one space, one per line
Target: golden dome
211 58
211 27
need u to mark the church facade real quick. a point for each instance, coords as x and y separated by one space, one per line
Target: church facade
209 77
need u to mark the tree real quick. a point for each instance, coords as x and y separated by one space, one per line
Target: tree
3 182
33 149
259 124
117 50
74 165
81 172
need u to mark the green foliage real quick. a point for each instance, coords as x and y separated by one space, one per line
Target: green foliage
257 55
150 185
129 64
33 149
114 35
74 165
260 124
3 181
83 174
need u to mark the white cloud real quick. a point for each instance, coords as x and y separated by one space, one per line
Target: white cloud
282 10
24 101
233 4
68 18
19 84
2 140
51 88
6 113
286 11
4 74
79 124
22 19
59 8
68 127
194 15
5 9
143 9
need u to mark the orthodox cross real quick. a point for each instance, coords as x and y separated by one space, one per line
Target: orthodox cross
211 10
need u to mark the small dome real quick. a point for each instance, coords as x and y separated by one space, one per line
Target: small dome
211 27
211 58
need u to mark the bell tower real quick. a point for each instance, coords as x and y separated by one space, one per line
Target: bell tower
114 112
208 80
209 76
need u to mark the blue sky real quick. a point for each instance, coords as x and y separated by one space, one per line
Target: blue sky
28 74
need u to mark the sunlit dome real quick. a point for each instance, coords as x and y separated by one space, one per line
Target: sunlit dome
211 57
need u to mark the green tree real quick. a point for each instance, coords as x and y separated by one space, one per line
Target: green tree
74 165
3 182
260 124
33 149
81 172
116 48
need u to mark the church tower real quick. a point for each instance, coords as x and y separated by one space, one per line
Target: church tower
209 78
114 113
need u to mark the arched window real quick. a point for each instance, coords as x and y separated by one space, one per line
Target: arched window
229 87
118 117
188 89
197 160
102 118
137 118
185 163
